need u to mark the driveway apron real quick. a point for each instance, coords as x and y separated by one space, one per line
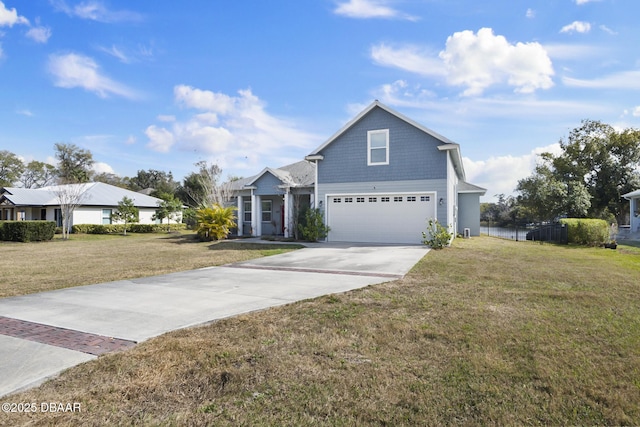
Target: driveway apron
43 334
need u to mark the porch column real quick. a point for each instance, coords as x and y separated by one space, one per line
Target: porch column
287 213
256 215
240 215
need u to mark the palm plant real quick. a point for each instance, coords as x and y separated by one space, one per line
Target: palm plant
215 223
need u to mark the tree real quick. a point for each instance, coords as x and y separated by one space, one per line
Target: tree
38 174
545 197
74 163
11 167
313 227
127 212
604 161
69 197
161 182
203 188
168 208
215 223
111 179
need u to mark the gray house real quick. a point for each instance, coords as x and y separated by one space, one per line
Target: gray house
378 179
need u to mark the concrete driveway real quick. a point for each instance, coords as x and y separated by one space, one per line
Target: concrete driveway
46 333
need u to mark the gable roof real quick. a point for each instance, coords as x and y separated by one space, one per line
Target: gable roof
95 194
299 174
448 145
465 187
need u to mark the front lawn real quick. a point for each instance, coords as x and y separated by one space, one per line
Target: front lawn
87 259
487 332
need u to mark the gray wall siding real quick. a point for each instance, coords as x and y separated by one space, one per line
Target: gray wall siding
469 213
267 185
413 154
439 186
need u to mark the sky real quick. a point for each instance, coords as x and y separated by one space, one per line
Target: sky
250 84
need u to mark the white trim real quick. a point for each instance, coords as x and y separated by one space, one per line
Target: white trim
370 133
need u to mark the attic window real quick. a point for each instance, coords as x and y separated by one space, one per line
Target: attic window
378 147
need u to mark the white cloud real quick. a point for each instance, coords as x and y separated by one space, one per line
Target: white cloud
581 2
409 58
101 167
476 61
116 53
636 111
575 51
39 34
166 118
367 9
73 70
626 80
234 129
25 112
500 174
481 60
10 17
96 11
160 139
576 26
131 140
530 13
607 30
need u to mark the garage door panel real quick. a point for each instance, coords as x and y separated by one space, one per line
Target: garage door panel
385 218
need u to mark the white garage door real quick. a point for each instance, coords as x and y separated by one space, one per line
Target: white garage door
380 218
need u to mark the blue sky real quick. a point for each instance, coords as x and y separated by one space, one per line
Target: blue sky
249 84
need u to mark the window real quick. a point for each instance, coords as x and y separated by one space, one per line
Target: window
348 199
397 199
424 198
337 200
373 199
106 216
384 199
247 211
378 147
411 198
360 200
267 206
43 214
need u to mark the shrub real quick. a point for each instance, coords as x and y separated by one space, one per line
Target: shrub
313 227
437 236
27 231
585 231
215 223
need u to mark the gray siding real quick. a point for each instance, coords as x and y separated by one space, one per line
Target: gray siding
469 213
267 184
439 186
413 154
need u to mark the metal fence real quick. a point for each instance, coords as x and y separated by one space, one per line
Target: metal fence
556 233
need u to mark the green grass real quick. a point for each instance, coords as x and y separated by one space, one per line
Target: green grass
487 332
88 259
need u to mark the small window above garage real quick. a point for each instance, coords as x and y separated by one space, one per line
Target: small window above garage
378 147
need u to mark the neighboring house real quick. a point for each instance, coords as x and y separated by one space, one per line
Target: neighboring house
634 210
98 202
378 179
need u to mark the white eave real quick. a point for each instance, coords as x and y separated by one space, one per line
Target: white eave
456 157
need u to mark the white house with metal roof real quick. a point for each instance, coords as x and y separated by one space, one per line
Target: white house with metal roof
97 202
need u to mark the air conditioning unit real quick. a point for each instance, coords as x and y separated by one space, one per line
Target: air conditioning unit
467 233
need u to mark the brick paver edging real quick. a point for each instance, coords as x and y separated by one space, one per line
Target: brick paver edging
61 337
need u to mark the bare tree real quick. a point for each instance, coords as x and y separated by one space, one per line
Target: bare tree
69 196
204 187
